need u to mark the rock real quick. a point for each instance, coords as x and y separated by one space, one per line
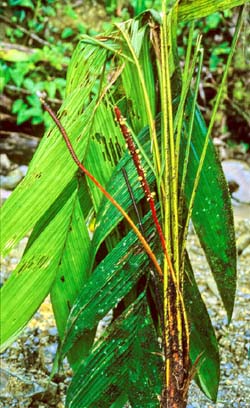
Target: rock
5 163
52 332
4 380
243 242
20 147
212 286
238 175
4 194
246 252
10 181
23 169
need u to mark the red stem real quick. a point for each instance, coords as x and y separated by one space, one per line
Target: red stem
101 188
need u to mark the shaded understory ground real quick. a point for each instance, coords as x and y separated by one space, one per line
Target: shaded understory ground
27 364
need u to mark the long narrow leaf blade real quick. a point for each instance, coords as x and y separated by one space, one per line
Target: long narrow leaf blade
212 213
203 342
102 376
73 270
52 168
29 284
113 366
113 278
190 10
145 367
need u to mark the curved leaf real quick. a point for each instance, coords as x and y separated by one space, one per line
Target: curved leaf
97 374
145 374
29 284
203 342
113 278
212 213
50 172
73 270
190 10
106 373
51 168
135 96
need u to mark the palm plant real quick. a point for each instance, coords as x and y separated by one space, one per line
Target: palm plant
127 86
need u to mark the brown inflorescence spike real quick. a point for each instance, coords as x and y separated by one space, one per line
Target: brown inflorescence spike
140 171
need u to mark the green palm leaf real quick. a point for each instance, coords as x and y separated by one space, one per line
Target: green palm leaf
105 149
212 213
189 10
203 342
29 284
113 278
145 367
112 368
48 176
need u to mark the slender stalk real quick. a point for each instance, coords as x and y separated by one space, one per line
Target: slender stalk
186 160
173 162
190 130
168 316
102 189
165 144
186 81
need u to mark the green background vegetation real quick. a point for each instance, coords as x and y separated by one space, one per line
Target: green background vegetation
38 39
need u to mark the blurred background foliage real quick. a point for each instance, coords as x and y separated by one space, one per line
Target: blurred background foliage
38 38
